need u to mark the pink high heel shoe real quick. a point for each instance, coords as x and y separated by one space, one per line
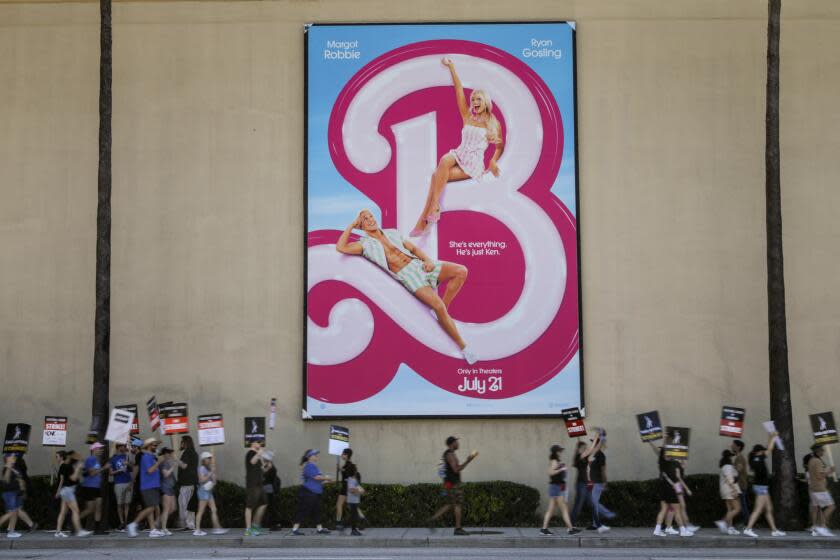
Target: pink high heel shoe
430 219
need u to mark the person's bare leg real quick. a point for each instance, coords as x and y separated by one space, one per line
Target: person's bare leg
258 516
214 515
768 514
456 275
663 511
457 509
202 504
74 516
247 518
62 512
428 296
439 513
760 502
446 171
548 513
339 508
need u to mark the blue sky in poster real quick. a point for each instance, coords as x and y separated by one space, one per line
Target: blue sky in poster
332 201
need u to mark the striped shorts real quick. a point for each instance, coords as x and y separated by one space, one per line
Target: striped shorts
414 277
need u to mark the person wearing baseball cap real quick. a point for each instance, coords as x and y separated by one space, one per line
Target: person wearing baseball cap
206 481
121 470
761 487
149 469
557 491
91 491
451 474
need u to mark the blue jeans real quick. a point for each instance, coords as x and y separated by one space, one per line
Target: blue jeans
597 509
745 507
581 497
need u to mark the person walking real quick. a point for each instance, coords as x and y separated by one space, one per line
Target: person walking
354 499
92 486
598 477
582 482
149 469
451 470
348 469
818 489
730 492
271 486
69 474
11 485
25 489
121 469
761 488
669 503
309 499
167 487
255 499
740 464
187 481
206 477
557 492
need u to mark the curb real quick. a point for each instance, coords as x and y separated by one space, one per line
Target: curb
403 540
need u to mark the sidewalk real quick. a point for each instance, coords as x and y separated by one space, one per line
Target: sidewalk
507 537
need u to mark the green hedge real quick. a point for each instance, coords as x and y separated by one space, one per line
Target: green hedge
492 504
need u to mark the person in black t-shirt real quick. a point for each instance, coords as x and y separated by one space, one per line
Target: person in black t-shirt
598 476
669 502
348 469
582 483
757 461
255 499
69 475
187 481
557 491
452 483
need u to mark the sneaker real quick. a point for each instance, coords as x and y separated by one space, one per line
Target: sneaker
298 532
84 533
120 529
251 532
684 532
671 531
573 531
733 531
693 528
323 531
32 528
724 528
750 533
545 533
814 533
469 355
155 534
13 535
166 532
199 533
459 532
355 533
778 533
339 526
603 529
132 529
658 532
823 532
60 535
219 531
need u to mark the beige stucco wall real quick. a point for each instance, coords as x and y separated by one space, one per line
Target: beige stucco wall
208 229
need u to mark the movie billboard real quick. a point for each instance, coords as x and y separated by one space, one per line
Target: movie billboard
441 208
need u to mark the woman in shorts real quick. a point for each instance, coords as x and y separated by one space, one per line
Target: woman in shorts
557 492
730 493
669 501
206 482
167 487
761 488
69 474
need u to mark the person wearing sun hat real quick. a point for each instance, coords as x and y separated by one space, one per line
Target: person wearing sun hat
149 469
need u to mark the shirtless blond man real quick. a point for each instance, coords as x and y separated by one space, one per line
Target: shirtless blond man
411 267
